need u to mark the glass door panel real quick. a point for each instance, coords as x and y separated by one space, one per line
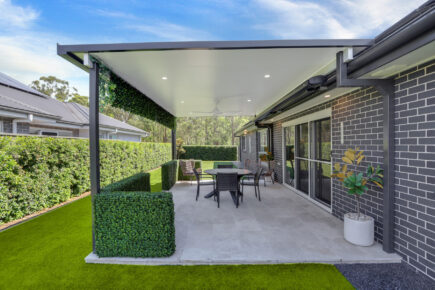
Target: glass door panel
321 163
302 153
289 154
322 182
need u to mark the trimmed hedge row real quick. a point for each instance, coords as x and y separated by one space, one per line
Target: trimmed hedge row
198 164
137 182
210 153
134 224
169 174
216 163
39 172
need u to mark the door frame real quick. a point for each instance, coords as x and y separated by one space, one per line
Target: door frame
323 114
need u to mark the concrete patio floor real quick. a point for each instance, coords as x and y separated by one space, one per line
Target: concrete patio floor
283 228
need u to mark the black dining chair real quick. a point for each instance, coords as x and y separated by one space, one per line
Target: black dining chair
227 182
255 182
220 166
201 182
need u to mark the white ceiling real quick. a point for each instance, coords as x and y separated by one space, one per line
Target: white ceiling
219 82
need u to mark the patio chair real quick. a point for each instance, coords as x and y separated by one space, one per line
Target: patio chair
255 182
270 172
224 166
187 168
200 182
227 182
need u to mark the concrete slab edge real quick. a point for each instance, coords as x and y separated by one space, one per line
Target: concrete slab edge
94 259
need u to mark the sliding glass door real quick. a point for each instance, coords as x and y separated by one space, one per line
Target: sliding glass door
307 158
321 161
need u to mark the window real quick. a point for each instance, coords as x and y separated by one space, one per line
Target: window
243 143
262 138
1 126
45 133
250 149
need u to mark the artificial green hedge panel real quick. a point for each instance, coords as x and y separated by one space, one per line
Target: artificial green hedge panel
198 164
137 182
210 153
169 174
40 172
120 94
134 224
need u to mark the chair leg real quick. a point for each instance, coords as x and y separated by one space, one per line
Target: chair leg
197 192
259 197
218 198
237 199
255 189
264 179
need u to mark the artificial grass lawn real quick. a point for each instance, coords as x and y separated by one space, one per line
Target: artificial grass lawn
48 253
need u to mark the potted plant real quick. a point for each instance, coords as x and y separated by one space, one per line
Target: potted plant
358 228
266 157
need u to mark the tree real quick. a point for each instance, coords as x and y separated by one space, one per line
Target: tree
54 87
82 100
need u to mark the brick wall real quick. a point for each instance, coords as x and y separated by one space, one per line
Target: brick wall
415 167
361 113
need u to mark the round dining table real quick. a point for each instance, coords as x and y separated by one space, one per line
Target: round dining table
214 172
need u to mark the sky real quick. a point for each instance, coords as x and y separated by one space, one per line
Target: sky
29 30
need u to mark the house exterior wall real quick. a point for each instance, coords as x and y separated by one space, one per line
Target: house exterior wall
361 113
415 167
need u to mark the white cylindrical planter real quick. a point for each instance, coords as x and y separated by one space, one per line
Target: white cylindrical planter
360 231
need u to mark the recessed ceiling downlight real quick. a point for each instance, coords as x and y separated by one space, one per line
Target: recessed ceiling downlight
266 76
249 100
164 78
327 96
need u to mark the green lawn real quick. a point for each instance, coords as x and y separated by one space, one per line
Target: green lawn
48 253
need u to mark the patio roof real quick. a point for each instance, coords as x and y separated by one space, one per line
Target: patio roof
218 77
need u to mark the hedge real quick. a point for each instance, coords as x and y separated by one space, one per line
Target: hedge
40 172
134 224
137 182
169 174
215 164
198 164
210 153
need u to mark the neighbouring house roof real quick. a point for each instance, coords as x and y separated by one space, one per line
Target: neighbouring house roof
17 97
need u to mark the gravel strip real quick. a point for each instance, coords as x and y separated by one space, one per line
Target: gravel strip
385 276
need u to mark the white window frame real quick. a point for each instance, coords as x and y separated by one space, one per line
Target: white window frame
250 144
243 143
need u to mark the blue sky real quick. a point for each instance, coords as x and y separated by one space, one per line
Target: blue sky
29 30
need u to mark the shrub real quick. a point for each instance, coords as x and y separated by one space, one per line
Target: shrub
137 182
198 164
169 174
38 173
134 224
210 153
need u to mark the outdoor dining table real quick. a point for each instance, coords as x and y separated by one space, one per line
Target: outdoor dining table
240 174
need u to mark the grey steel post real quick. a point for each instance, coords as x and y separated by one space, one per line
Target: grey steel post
174 144
386 88
94 144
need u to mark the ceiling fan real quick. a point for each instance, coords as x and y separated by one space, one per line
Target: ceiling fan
217 112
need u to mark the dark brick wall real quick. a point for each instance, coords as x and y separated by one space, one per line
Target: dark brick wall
361 113
415 167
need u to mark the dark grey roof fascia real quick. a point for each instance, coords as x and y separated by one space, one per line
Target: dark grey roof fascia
68 51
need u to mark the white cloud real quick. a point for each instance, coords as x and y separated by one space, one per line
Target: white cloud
16 16
334 19
27 54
